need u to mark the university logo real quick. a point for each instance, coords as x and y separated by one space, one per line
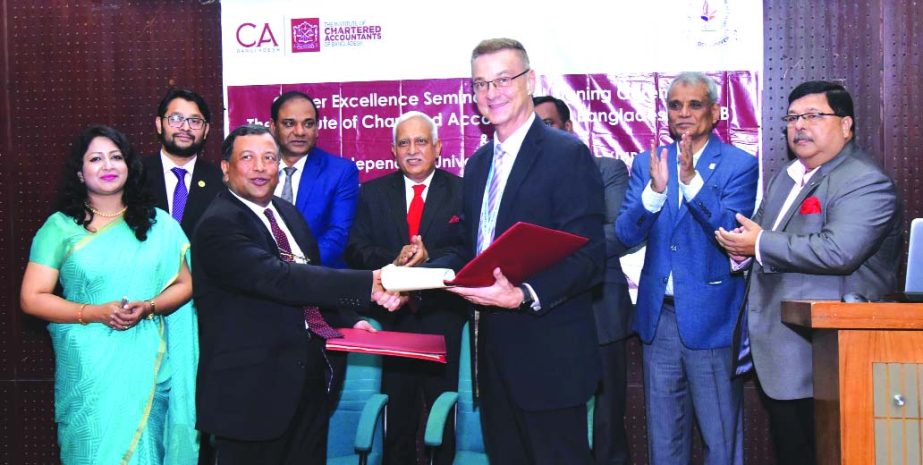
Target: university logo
305 35
710 23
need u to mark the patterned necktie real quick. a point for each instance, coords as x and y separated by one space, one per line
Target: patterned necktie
180 194
493 199
287 186
415 212
312 315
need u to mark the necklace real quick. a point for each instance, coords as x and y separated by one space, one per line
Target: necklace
103 214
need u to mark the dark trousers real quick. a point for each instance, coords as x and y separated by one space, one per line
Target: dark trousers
791 424
513 436
409 385
304 442
610 445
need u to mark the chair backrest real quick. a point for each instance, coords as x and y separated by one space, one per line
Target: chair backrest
361 381
468 434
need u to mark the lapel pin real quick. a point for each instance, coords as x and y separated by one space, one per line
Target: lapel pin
201 183
711 166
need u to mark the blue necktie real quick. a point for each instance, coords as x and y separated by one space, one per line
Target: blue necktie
180 194
744 358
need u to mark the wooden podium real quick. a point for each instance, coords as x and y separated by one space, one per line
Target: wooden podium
868 379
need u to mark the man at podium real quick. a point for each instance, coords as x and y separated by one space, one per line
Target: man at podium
829 224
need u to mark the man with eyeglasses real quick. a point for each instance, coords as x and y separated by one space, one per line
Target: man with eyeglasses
396 214
323 187
829 224
183 183
611 303
537 362
688 295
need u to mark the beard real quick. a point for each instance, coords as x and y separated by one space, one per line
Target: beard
174 149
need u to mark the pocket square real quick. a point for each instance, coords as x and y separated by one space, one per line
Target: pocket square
454 219
810 206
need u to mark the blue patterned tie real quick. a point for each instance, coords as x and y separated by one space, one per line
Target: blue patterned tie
744 358
180 194
493 199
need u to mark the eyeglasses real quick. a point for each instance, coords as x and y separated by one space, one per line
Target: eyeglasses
807 117
482 86
176 121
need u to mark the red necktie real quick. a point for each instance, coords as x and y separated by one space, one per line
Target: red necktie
312 315
415 212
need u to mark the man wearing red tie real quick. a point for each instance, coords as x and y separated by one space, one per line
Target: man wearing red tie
396 214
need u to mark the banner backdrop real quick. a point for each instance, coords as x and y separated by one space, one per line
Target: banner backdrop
366 62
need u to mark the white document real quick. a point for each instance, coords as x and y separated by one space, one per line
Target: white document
403 279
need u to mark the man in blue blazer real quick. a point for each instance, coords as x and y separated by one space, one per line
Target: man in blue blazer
537 357
323 187
688 296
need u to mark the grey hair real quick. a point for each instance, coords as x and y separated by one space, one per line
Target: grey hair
489 46
415 114
694 78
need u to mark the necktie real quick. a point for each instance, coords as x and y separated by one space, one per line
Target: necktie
287 187
486 231
415 212
312 315
180 194
485 237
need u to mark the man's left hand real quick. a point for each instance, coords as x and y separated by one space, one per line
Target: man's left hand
364 325
502 293
686 166
740 242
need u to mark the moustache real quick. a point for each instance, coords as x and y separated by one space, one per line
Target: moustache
802 137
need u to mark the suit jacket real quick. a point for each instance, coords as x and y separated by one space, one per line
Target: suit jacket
852 245
207 181
326 197
611 301
680 238
549 358
252 336
380 231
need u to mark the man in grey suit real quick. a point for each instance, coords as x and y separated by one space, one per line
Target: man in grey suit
830 224
611 303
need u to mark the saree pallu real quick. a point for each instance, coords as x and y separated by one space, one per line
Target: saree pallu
121 397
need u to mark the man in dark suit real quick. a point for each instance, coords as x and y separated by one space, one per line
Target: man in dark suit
537 356
263 372
396 214
183 183
687 294
323 186
829 224
611 303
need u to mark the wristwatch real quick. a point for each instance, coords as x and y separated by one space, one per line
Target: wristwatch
527 299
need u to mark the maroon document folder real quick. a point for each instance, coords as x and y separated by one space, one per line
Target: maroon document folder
521 252
412 345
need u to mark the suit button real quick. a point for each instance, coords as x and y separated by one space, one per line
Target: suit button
673 248
665 280
300 364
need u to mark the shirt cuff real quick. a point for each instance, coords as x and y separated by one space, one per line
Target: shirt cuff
756 248
651 200
536 304
735 266
692 189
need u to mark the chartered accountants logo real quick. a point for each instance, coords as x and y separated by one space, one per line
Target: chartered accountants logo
257 37
305 35
351 33
709 22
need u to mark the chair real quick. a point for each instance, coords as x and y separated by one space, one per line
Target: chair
469 437
357 420
469 440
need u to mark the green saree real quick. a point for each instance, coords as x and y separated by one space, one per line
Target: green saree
121 397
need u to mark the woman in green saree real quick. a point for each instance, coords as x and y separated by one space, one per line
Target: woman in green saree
123 328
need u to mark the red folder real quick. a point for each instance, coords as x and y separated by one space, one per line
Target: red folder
412 345
522 251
